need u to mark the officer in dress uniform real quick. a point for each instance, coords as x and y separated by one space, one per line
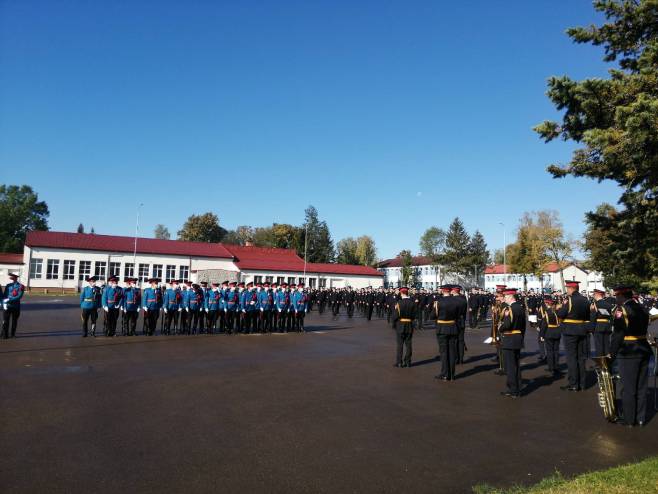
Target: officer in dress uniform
171 303
299 302
193 305
631 349
89 306
461 321
232 298
265 304
280 306
11 302
111 301
151 304
213 301
350 299
403 315
601 319
512 331
446 312
130 304
202 313
549 334
574 314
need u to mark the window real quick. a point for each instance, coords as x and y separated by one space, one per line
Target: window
311 282
99 270
128 270
143 272
52 270
269 279
36 266
323 282
258 279
157 271
302 280
280 280
69 270
291 280
171 272
85 270
184 272
115 269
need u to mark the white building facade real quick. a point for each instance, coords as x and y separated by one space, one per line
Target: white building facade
551 280
425 274
62 261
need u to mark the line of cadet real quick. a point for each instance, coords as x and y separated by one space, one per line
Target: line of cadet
189 308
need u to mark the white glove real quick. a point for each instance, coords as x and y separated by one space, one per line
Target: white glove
106 309
165 310
187 309
261 309
146 309
279 310
124 309
244 311
206 310
179 310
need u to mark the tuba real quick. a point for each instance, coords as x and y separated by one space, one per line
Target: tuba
606 395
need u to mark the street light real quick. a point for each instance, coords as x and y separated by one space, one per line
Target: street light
136 231
504 248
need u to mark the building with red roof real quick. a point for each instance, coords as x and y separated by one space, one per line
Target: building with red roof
63 260
552 278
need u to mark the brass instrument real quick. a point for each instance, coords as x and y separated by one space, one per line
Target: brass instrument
496 320
607 395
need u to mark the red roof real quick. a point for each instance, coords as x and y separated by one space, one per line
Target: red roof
9 258
396 262
113 243
496 269
270 259
245 257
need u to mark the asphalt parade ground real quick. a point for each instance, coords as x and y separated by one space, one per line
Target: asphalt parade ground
321 412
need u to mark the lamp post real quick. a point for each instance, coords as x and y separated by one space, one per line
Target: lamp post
136 231
504 248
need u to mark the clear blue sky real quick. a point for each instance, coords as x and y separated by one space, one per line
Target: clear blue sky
389 117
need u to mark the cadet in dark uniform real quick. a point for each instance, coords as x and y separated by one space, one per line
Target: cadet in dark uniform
512 331
446 311
455 291
403 315
601 318
350 298
549 333
632 351
574 314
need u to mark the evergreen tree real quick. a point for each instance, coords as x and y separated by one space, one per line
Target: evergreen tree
81 228
319 245
615 121
456 257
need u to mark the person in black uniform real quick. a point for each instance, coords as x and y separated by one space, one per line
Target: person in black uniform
404 314
630 348
601 318
370 303
462 305
549 334
446 311
512 331
350 298
473 308
574 314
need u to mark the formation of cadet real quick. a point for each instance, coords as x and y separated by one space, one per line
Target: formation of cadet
618 325
189 308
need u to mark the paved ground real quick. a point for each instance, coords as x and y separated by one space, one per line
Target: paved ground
321 412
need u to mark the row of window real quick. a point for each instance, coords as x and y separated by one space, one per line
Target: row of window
419 270
101 270
515 277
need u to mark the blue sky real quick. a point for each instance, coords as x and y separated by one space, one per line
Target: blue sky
389 117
